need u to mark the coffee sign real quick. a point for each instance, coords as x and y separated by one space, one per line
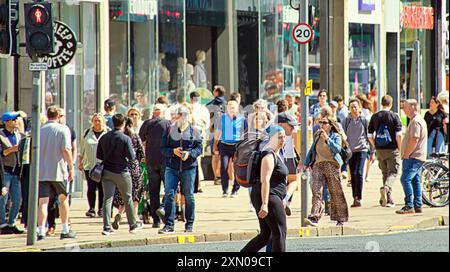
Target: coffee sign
65 47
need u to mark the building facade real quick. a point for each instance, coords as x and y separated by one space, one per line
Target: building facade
138 50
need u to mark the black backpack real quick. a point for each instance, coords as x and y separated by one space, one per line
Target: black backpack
247 159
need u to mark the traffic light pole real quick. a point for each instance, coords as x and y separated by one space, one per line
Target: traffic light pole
305 203
34 167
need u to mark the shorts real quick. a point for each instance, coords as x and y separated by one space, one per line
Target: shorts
52 188
291 165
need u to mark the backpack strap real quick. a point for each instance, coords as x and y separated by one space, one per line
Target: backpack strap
86 132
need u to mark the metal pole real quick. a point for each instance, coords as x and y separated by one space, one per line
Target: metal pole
418 72
305 109
34 167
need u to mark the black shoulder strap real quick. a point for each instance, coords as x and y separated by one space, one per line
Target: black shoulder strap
86 132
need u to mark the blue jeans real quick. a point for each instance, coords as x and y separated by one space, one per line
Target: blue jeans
11 182
411 171
440 143
172 179
326 193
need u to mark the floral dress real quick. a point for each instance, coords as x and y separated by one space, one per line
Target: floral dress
137 176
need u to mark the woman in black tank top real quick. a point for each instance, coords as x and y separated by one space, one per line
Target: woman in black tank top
268 196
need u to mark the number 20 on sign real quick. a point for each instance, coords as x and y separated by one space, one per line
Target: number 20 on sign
303 33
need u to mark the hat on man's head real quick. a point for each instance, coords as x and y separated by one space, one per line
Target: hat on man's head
287 119
110 103
9 116
333 103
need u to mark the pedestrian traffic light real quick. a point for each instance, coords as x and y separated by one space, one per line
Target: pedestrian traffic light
115 10
39 28
9 17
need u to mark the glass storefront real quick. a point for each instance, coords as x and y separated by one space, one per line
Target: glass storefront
155 54
364 60
415 44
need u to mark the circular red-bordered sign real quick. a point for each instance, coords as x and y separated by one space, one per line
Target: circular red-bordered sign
303 33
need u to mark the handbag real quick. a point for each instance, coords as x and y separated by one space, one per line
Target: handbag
96 173
346 152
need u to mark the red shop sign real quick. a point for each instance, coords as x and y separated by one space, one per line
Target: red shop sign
417 17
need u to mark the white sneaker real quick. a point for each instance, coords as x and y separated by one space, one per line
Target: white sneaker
225 195
390 205
252 209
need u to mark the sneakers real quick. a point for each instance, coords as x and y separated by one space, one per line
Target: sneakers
166 230
70 235
311 221
40 237
6 230
107 232
50 232
390 205
383 200
344 175
405 210
136 227
418 210
234 195
225 195
116 222
252 209
90 213
16 230
356 203
100 213
161 213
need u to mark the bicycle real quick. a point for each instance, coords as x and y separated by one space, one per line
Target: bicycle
435 181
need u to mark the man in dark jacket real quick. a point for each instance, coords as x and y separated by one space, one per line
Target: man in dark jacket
115 150
151 134
181 146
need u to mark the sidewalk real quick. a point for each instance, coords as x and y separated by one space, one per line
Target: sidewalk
219 219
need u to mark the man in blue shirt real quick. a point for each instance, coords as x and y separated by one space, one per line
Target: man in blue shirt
230 129
9 146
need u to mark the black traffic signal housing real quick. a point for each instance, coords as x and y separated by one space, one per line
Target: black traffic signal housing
9 19
39 28
115 10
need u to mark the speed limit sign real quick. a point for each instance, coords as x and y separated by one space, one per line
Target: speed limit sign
303 33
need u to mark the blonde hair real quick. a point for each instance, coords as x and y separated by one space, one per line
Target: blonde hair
101 118
134 109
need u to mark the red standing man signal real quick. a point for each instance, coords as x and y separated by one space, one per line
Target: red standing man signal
38 16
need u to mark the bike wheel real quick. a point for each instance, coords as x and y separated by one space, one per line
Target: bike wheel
435 183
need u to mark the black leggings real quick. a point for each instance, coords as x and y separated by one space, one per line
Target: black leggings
91 192
273 227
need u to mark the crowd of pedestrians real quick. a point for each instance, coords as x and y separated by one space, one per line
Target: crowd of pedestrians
140 157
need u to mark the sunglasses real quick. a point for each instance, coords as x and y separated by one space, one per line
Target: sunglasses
324 123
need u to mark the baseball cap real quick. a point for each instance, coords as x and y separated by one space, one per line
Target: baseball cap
110 103
333 103
287 118
9 116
